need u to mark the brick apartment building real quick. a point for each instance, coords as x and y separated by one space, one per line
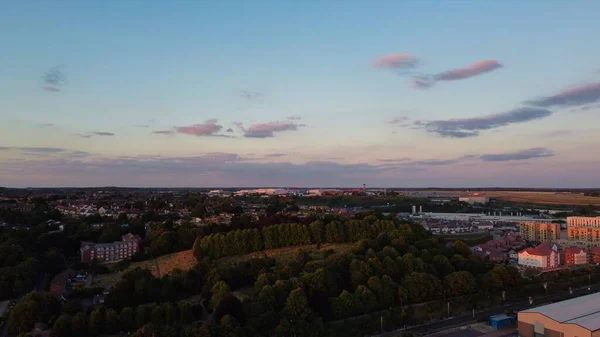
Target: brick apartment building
110 252
581 228
574 256
539 231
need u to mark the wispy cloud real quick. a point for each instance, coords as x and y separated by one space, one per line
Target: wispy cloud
103 133
294 118
537 152
44 151
275 155
584 94
587 108
475 69
53 79
163 132
396 61
250 95
398 120
394 160
470 127
84 135
267 130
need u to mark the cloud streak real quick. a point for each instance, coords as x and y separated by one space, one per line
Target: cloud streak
475 69
470 127
396 61
537 152
584 94
103 134
269 129
44 151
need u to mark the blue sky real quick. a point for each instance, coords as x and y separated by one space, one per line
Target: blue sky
277 93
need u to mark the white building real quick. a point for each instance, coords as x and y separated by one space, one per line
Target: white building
544 256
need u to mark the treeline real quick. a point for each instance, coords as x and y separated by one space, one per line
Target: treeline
253 240
42 307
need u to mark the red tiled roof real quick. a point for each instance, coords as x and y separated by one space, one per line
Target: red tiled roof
573 250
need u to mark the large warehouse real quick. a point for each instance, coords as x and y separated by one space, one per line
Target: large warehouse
577 317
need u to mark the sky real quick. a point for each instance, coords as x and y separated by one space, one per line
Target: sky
299 93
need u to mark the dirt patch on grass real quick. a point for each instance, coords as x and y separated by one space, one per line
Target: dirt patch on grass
531 197
159 267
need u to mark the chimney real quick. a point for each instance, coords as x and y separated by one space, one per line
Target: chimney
420 209
364 188
414 209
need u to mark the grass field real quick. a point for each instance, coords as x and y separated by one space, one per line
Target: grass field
185 260
532 197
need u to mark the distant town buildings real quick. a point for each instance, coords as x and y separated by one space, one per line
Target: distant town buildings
539 231
110 252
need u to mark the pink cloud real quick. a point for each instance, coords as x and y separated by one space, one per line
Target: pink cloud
267 130
470 71
428 80
396 61
208 128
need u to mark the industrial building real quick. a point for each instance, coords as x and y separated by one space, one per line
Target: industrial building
539 231
475 200
577 317
494 217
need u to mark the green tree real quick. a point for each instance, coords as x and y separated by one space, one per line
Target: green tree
460 283
157 315
62 327
142 315
219 290
170 314
127 319
186 315
111 322
79 325
229 327
96 322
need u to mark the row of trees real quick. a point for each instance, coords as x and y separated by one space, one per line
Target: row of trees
108 321
252 240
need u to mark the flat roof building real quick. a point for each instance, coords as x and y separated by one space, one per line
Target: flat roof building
577 317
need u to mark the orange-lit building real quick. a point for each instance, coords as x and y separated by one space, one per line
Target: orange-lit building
581 228
574 256
595 254
539 231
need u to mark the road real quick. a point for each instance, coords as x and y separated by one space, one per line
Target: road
441 325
